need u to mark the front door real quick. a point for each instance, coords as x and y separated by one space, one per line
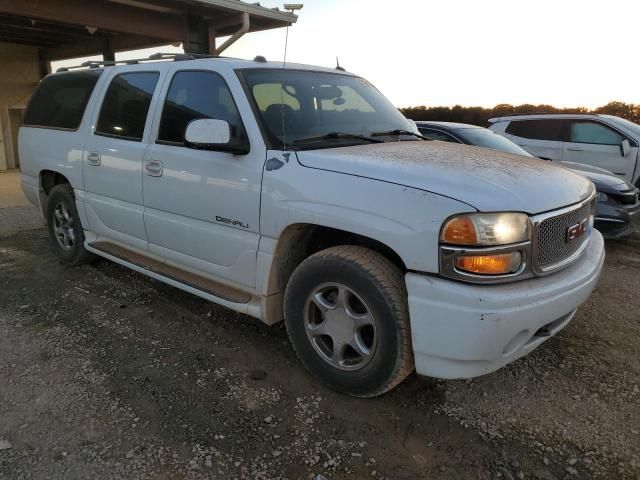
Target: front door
596 144
113 159
201 207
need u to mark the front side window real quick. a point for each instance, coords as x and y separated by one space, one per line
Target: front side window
549 130
195 95
126 105
295 107
61 99
436 135
594 133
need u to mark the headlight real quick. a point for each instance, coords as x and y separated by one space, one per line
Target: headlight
485 246
486 229
602 197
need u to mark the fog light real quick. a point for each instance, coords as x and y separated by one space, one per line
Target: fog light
500 264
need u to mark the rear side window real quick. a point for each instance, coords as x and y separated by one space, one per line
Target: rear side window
595 133
196 95
126 105
550 130
60 100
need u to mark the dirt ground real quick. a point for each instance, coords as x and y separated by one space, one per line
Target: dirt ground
103 374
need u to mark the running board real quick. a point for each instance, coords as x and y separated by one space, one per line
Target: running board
189 279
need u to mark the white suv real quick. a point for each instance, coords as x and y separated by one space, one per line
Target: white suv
603 141
302 194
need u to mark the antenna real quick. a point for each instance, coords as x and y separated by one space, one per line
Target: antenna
291 7
338 67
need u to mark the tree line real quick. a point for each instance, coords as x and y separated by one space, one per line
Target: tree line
480 115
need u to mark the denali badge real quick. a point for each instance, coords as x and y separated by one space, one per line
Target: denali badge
577 230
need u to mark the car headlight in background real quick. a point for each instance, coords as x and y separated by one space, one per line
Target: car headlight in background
484 244
601 197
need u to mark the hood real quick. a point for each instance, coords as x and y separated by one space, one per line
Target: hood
487 180
604 180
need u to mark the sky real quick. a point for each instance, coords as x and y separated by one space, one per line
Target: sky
565 53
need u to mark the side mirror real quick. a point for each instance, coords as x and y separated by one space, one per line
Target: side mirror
213 134
625 147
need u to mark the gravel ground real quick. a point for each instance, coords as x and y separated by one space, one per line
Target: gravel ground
103 374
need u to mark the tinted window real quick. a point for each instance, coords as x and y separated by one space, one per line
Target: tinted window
126 104
192 96
592 132
551 130
435 135
60 100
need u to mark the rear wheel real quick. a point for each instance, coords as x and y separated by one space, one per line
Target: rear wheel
65 229
348 321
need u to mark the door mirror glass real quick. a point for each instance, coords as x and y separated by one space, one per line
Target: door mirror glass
625 147
207 133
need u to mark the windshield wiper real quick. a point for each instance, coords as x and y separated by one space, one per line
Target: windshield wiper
334 135
400 132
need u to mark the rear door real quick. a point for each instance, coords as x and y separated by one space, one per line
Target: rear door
597 144
113 158
543 138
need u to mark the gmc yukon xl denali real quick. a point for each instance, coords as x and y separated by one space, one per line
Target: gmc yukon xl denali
301 194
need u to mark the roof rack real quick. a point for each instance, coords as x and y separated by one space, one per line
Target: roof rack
156 57
543 113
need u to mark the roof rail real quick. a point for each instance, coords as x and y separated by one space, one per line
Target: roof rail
156 57
544 113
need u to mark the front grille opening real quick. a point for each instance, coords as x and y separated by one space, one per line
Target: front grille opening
552 245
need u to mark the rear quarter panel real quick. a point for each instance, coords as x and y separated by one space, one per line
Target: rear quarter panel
58 150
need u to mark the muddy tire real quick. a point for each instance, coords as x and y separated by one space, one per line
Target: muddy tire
65 229
348 321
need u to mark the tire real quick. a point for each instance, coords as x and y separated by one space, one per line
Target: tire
65 230
343 292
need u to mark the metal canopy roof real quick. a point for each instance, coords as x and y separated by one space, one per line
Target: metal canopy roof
68 28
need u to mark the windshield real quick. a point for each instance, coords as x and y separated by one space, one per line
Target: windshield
296 105
624 124
483 137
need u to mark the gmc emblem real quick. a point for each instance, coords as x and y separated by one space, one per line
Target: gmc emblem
577 230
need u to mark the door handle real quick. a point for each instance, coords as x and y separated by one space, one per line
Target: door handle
575 149
153 168
94 159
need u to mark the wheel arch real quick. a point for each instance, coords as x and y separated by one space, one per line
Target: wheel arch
301 240
47 180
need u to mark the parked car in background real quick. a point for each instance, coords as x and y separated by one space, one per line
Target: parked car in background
302 194
618 207
603 141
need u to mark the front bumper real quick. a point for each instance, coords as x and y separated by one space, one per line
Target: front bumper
615 220
462 331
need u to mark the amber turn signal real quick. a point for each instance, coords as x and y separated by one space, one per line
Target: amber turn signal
490 264
460 231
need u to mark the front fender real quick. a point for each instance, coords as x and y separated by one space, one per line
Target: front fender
407 220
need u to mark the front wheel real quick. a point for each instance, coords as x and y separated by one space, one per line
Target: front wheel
348 321
65 229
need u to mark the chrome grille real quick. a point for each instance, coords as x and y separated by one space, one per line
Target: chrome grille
552 246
